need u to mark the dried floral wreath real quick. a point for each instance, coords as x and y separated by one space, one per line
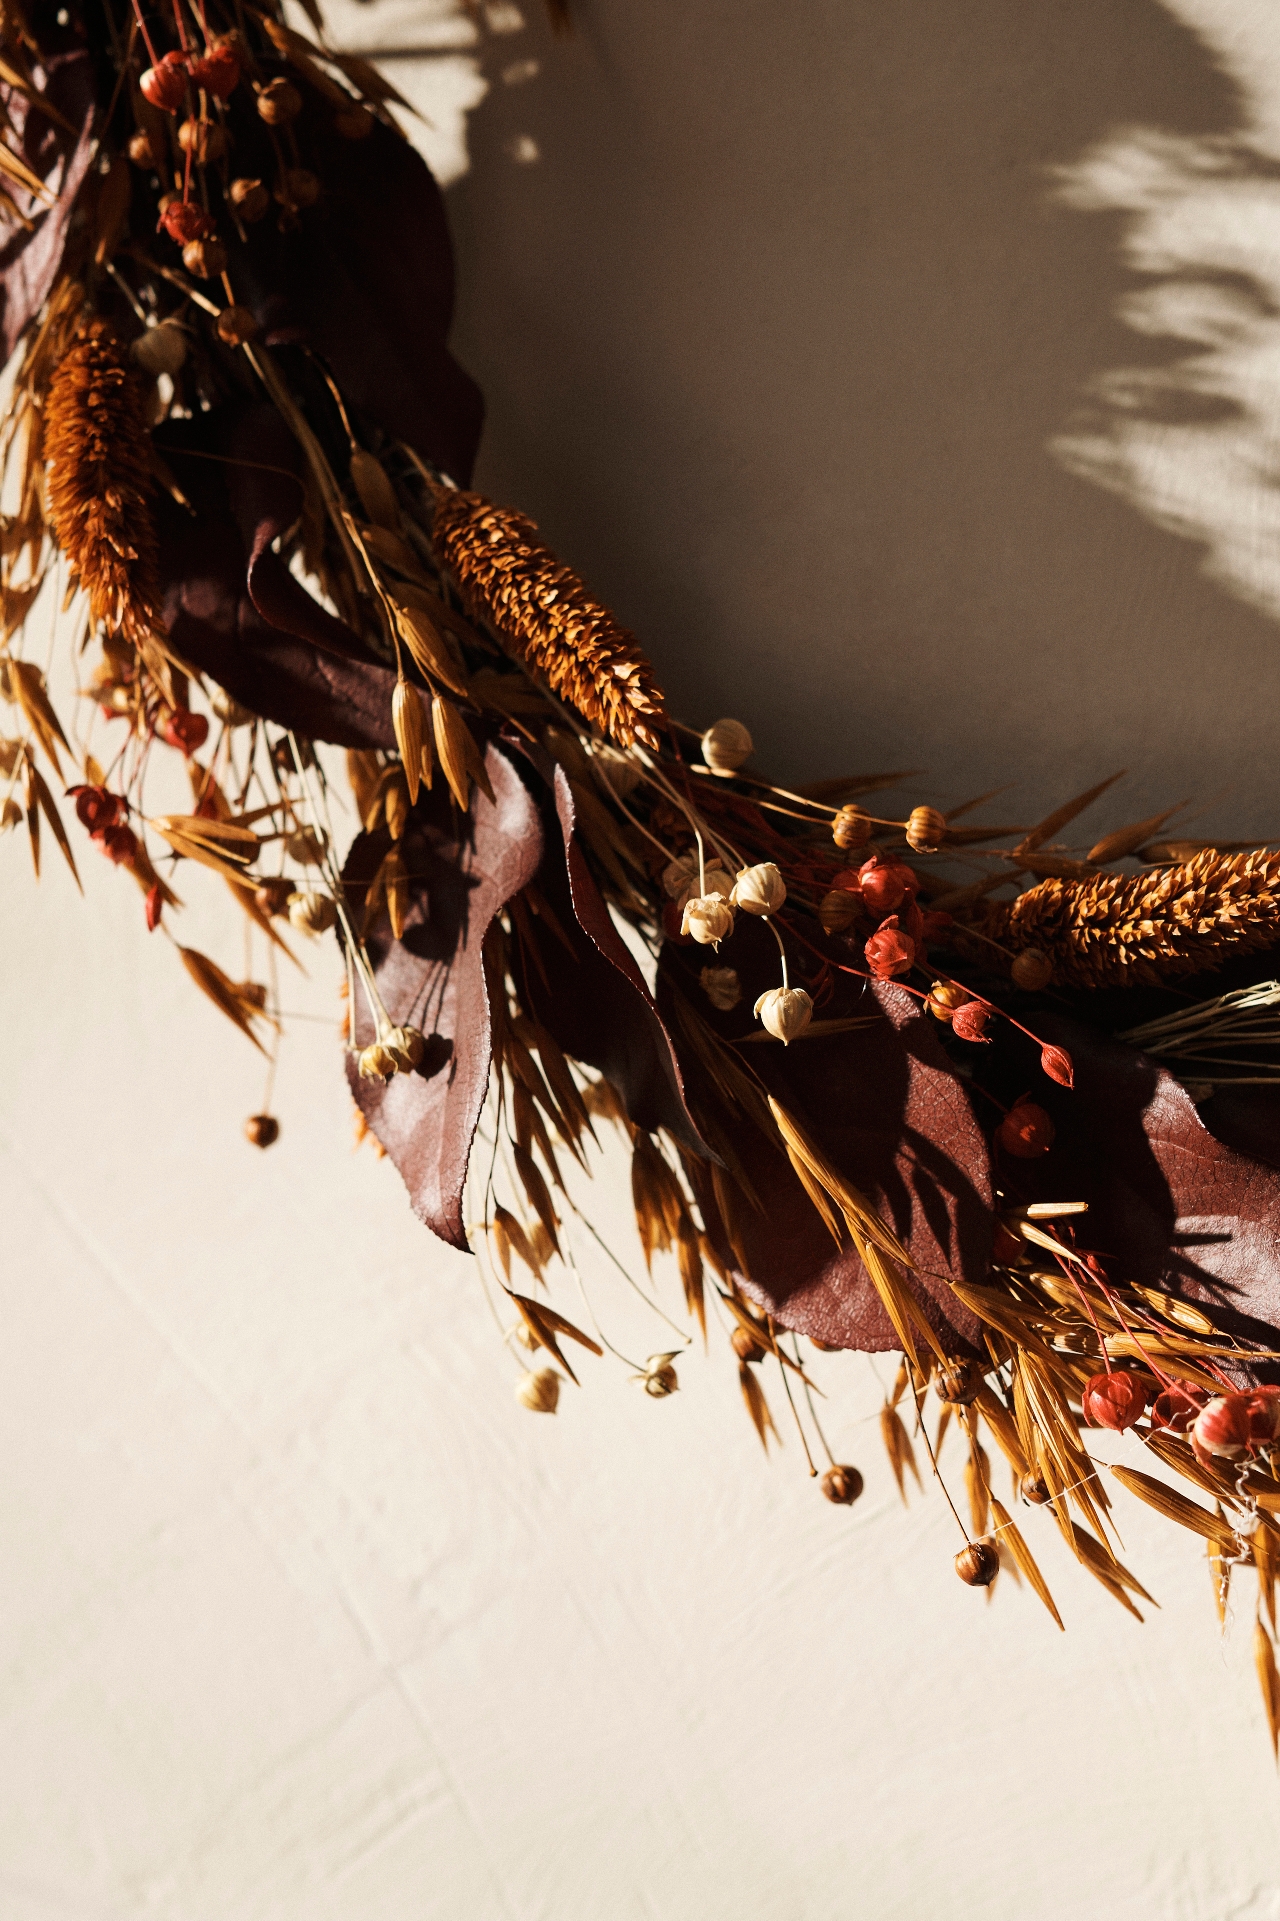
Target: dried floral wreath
1029 1143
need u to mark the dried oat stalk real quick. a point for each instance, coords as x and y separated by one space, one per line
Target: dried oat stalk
1146 929
542 608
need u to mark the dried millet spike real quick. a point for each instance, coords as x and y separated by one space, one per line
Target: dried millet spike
1141 930
98 464
508 578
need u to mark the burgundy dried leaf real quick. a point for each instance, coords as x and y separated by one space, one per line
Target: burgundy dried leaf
233 608
881 1102
30 257
461 872
1169 1205
596 1004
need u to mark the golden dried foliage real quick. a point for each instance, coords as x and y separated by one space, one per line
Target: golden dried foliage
98 455
544 611
1143 930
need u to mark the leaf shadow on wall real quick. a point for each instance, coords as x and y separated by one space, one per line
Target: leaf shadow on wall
781 337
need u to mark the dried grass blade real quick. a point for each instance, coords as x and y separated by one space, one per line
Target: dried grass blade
977 1480
420 635
220 989
757 1406
406 719
543 1332
1264 1559
1061 816
51 814
537 1192
1127 840
509 1237
897 1444
28 684
1176 1507
449 728
1023 1556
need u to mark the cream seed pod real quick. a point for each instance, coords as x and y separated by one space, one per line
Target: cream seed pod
926 830
721 987
727 746
407 1043
659 1377
539 1390
708 918
679 874
719 881
378 1063
161 349
785 1012
759 890
311 912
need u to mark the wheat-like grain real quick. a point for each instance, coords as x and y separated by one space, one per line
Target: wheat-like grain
1142 930
545 612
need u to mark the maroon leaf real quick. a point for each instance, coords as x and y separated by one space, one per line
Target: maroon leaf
462 871
590 995
884 1105
232 607
30 257
1169 1205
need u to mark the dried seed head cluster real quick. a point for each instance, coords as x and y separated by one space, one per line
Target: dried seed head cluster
1119 931
98 466
508 578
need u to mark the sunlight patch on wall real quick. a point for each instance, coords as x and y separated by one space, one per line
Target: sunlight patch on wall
1190 432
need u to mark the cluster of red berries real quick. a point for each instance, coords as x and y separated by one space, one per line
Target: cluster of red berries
217 70
101 812
888 889
1222 1427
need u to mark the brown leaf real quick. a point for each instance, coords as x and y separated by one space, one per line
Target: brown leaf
1022 1554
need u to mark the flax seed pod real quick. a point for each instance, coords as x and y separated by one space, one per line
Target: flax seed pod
727 746
204 140
235 325
406 718
1031 970
851 828
842 1484
977 1565
279 102
540 1391
249 198
262 1130
926 830
206 258
838 911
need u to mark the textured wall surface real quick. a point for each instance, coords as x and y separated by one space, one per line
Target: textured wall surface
909 376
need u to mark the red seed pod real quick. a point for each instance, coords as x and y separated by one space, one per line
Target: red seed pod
185 730
1114 1400
165 84
1026 1130
184 222
1221 1430
217 71
842 1485
970 1021
890 952
1264 1414
96 809
154 907
1056 1063
119 844
1177 1407
977 1565
849 880
885 885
